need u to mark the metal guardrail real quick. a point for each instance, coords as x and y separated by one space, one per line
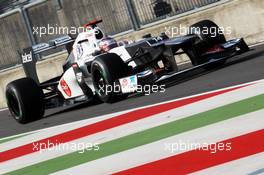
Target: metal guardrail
119 16
148 11
7 5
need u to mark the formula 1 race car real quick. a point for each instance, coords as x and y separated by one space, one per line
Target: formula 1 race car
99 68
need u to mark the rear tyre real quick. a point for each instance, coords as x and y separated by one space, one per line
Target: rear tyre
207 39
106 69
25 100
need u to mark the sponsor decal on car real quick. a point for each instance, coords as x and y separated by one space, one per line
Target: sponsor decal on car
128 84
65 87
27 57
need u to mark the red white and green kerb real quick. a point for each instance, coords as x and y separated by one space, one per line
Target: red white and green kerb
132 142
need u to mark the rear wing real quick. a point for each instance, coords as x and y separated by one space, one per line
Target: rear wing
29 56
92 23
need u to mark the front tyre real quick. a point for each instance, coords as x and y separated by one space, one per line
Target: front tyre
25 100
106 69
210 36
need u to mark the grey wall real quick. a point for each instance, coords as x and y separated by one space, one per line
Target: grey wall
13 37
75 13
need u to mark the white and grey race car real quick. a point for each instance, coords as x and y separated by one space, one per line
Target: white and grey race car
99 68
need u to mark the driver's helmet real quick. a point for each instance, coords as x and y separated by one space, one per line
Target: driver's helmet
107 44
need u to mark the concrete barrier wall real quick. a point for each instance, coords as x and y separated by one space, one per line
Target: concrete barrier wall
245 17
13 37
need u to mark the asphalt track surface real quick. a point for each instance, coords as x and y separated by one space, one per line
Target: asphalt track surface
240 69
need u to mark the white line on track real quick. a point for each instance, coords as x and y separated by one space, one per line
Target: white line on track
257 44
68 126
3 109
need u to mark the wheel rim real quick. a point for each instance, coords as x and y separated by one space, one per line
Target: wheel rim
14 106
100 83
